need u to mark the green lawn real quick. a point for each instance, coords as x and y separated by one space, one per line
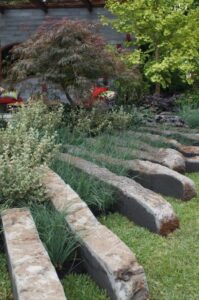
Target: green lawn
171 264
82 287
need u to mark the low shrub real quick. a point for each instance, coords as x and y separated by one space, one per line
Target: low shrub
27 142
189 99
97 120
190 116
130 88
57 238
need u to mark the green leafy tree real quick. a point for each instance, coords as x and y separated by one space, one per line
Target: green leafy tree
166 36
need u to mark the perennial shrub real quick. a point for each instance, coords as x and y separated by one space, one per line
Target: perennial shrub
97 120
28 141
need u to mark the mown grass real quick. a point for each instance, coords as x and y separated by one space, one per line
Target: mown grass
82 287
171 264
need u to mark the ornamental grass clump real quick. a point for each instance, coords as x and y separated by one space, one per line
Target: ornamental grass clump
28 142
57 238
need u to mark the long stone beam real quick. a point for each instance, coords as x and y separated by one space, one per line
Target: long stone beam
193 137
153 176
108 260
192 164
140 205
188 151
32 273
167 157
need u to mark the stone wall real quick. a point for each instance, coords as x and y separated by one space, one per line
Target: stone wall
16 25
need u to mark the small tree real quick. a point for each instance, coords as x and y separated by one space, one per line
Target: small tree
166 36
65 52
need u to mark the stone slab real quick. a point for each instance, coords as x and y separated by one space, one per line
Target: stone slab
142 206
167 157
192 137
32 273
108 260
153 176
188 151
192 164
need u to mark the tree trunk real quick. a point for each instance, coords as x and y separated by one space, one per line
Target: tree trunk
1 74
68 96
157 89
157 85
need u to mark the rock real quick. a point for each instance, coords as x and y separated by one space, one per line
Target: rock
140 205
34 86
167 157
108 260
165 118
188 151
153 176
193 137
192 164
32 273
158 104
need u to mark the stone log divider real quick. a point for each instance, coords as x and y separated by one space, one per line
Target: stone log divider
153 176
169 158
32 273
187 151
192 137
108 260
192 164
142 206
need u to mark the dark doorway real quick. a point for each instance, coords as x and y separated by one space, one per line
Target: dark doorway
5 59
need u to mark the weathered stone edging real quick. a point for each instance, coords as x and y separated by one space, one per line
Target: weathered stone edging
140 205
169 158
193 137
188 151
192 164
108 260
153 176
32 273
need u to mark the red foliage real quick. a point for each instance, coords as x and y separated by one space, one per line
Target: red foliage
97 91
95 95
10 100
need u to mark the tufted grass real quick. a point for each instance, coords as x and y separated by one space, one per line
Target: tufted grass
5 284
98 196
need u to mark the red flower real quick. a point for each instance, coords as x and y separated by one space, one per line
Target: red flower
97 91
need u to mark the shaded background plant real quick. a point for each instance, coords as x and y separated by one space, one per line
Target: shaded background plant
65 52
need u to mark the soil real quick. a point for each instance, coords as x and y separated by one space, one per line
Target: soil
74 266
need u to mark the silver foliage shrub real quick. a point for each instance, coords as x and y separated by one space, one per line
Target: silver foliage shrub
28 142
